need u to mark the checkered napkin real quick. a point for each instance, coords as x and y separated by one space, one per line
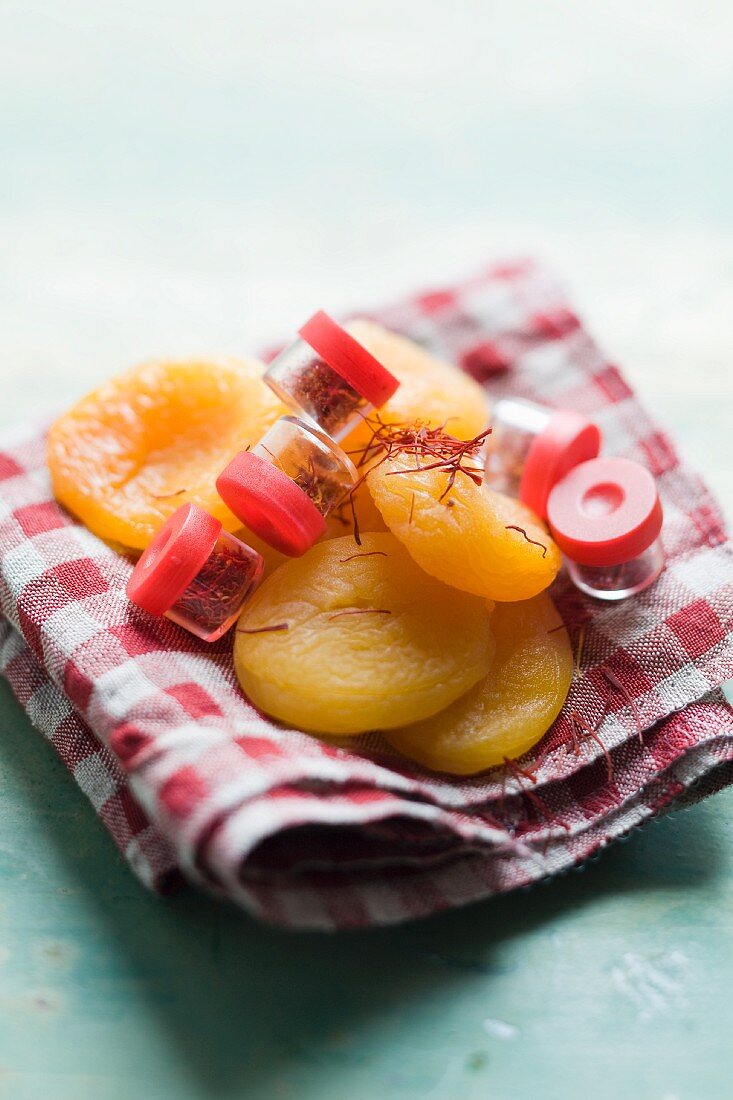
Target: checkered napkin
189 778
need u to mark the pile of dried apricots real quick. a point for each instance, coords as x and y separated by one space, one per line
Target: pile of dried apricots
428 619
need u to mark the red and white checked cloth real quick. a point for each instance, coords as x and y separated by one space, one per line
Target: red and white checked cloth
189 778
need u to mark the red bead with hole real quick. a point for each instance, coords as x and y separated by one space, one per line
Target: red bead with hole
606 517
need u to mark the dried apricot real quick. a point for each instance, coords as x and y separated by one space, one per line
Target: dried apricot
464 534
431 390
511 708
126 456
348 639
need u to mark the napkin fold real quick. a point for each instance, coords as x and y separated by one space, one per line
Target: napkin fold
192 781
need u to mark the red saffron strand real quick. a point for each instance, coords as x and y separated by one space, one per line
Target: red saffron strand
366 554
579 651
354 519
573 743
263 629
168 496
616 683
533 542
533 798
587 732
360 611
419 440
540 761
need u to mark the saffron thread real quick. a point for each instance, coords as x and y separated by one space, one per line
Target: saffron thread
366 554
616 683
579 651
168 496
588 731
263 629
532 797
360 611
533 542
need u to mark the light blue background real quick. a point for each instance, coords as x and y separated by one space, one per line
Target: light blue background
190 177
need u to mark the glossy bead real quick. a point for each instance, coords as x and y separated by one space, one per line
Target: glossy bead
606 517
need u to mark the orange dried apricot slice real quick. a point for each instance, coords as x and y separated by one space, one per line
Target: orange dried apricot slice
431 391
511 708
466 535
130 453
348 639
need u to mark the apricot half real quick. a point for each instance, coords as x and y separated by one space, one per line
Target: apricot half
348 639
130 453
431 390
511 708
465 535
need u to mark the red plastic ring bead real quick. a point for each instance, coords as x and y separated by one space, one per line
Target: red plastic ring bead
605 512
176 555
568 439
349 359
270 504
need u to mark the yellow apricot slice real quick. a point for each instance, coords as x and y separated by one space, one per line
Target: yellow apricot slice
348 639
431 391
130 453
467 536
511 708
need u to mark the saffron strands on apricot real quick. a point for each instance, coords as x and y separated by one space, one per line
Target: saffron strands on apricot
424 444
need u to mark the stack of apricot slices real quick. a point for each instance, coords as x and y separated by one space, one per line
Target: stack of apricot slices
426 617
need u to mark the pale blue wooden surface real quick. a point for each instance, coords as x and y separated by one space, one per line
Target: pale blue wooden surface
191 176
